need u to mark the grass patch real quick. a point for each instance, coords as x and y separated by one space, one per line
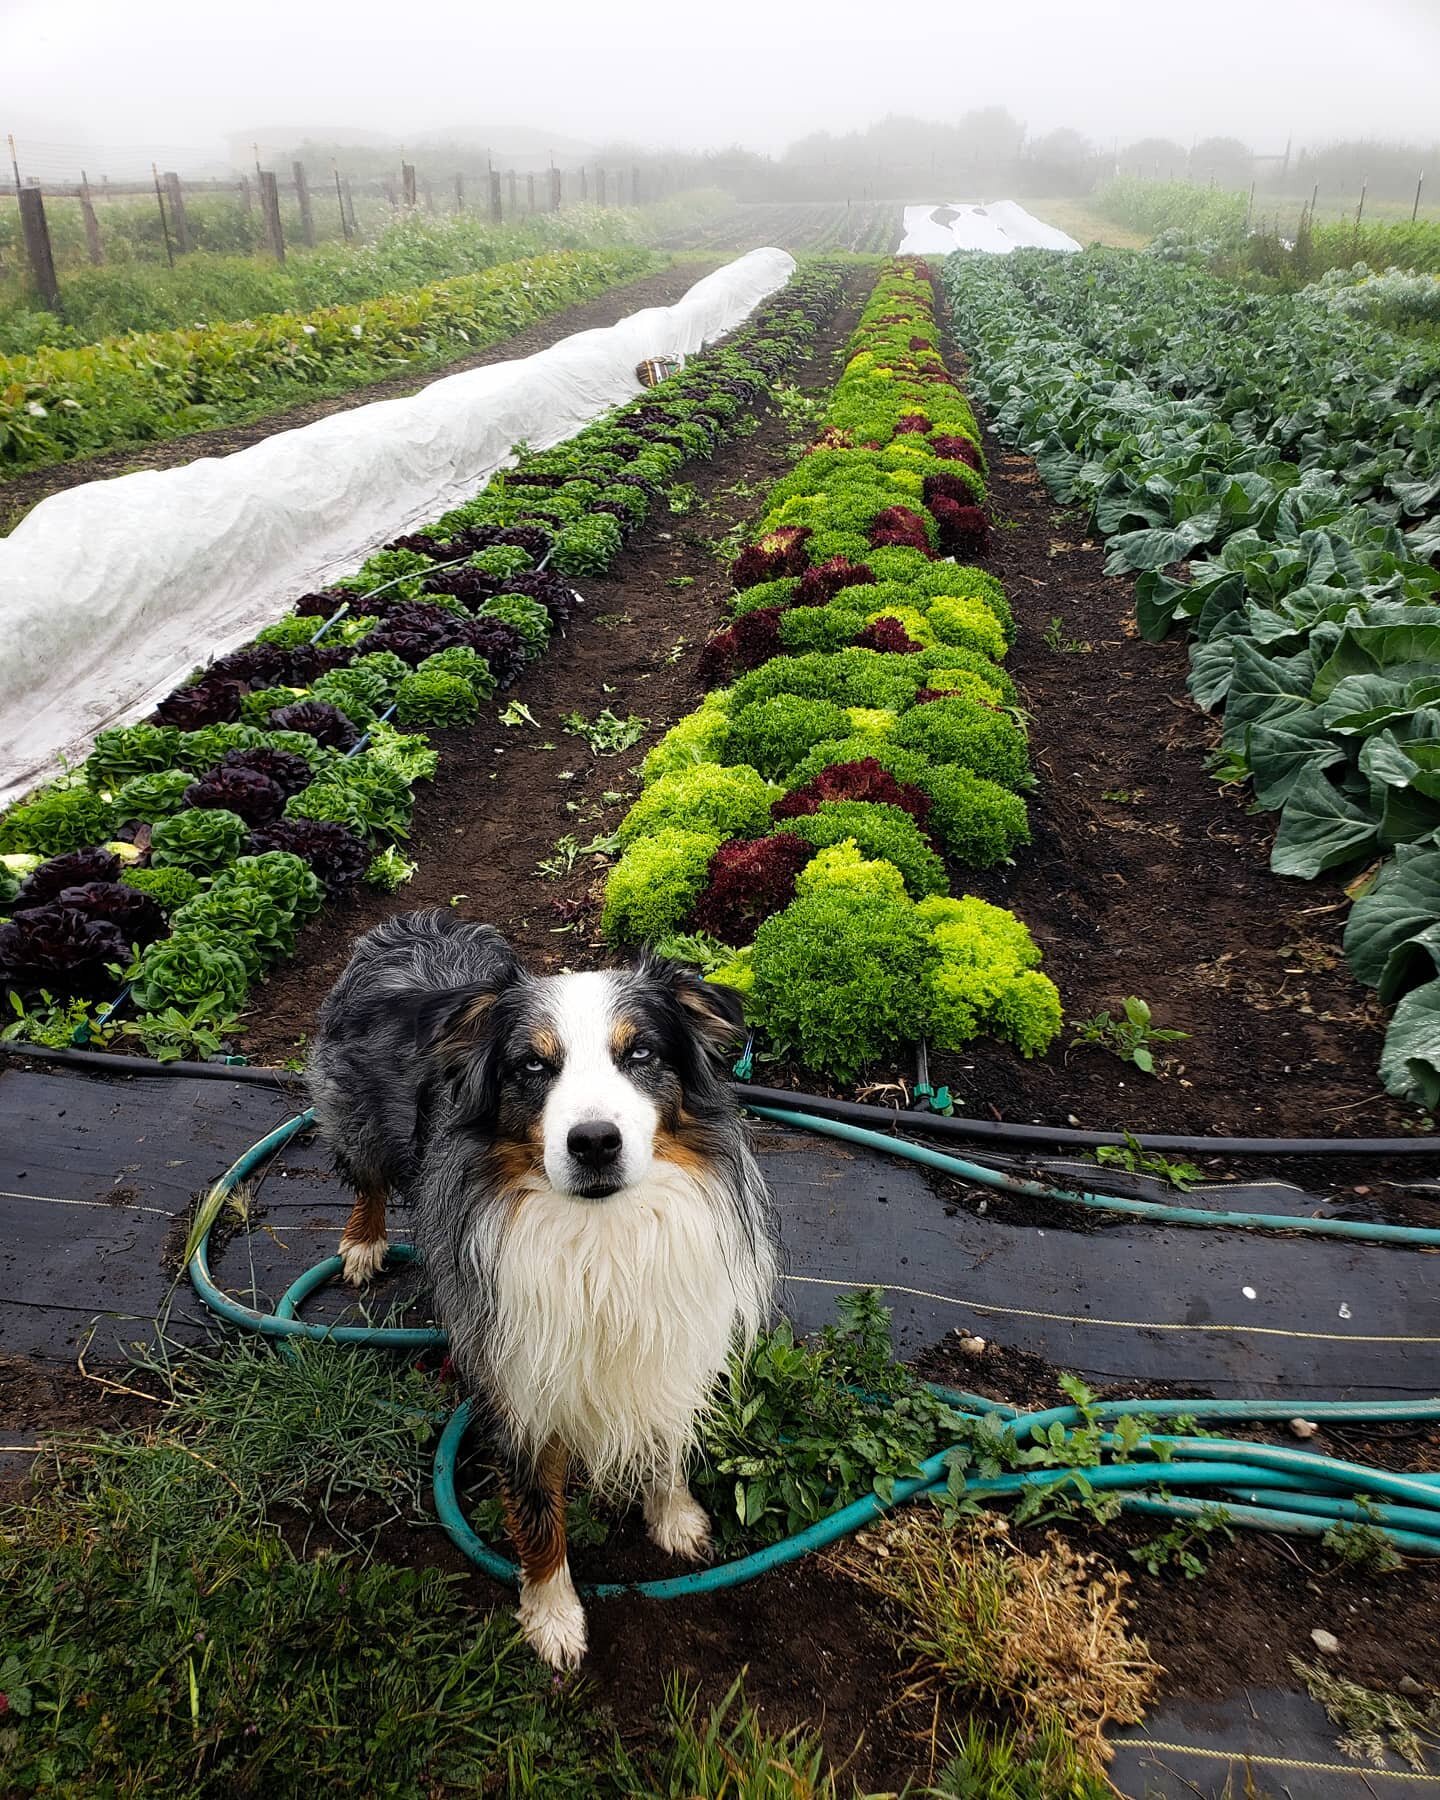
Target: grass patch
1038 1636
1372 1722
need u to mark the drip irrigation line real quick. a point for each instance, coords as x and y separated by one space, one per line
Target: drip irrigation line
824 1106
1249 1485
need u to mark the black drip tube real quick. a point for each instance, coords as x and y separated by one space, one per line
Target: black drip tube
856 1112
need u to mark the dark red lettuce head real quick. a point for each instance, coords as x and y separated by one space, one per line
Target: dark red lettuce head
500 644
897 525
863 780
748 882
51 879
208 702
288 771
750 641
777 554
888 635
553 592
255 797
323 604
335 853
820 584
325 723
57 948
138 917
912 422
964 530
955 449
261 665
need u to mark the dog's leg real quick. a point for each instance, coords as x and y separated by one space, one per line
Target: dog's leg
363 1244
676 1521
550 1614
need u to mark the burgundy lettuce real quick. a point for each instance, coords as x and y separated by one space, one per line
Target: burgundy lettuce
138 917
777 554
899 526
747 883
956 449
335 853
751 640
318 719
255 797
862 780
821 583
44 884
964 530
58 948
888 635
288 771
209 702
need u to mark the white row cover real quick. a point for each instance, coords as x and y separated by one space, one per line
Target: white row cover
999 227
111 592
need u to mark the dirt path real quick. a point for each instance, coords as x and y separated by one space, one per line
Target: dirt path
19 493
505 797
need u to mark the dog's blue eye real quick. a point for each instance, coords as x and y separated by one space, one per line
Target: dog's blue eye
639 1054
535 1065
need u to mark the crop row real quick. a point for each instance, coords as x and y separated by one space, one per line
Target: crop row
187 849
59 404
1292 460
793 831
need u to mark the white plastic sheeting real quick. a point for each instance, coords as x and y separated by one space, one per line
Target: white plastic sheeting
1000 226
111 592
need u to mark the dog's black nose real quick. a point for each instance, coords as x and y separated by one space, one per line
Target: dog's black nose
594 1142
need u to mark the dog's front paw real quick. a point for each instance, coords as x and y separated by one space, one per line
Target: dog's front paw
363 1262
553 1620
678 1524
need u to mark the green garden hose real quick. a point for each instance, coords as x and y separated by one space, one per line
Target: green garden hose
1259 1486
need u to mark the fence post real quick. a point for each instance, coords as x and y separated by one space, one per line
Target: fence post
634 184
407 184
584 186
513 182
164 222
93 247
340 202
429 193
599 187
530 192
554 189
302 200
41 258
177 213
349 200
459 193
497 211
1250 206
270 209
1415 209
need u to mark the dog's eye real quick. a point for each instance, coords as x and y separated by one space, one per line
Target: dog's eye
640 1053
535 1065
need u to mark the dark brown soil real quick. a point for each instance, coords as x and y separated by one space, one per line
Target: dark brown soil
505 796
19 493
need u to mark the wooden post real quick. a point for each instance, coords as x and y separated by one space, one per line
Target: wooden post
164 223
497 211
429 193
599 187
340 202
302 200
530 192
94 249
177 213
1415 209
513 182
14 158
1250 206
349 201
407 183
584 186
246 196
36 235
554 188
459 193
634 184
270 211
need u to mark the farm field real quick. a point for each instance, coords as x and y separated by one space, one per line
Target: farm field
802 227
926 661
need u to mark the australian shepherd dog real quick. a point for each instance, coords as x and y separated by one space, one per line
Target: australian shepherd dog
596 1234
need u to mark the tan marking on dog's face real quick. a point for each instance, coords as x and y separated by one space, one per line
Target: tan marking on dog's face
547 1045
623 1034
466 1030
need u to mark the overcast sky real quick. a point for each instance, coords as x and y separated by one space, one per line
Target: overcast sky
98 76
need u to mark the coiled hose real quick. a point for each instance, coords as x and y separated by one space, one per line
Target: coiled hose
1263 1487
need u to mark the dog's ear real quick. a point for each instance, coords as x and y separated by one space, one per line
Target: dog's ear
455 1035
715 1011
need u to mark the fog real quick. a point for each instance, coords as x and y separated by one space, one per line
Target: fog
89 82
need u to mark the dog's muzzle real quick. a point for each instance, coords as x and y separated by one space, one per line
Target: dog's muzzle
594 1146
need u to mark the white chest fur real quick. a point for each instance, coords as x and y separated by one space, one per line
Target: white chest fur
614 1318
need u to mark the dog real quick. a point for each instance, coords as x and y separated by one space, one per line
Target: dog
597 1236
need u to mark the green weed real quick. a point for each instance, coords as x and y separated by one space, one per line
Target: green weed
1130 1037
